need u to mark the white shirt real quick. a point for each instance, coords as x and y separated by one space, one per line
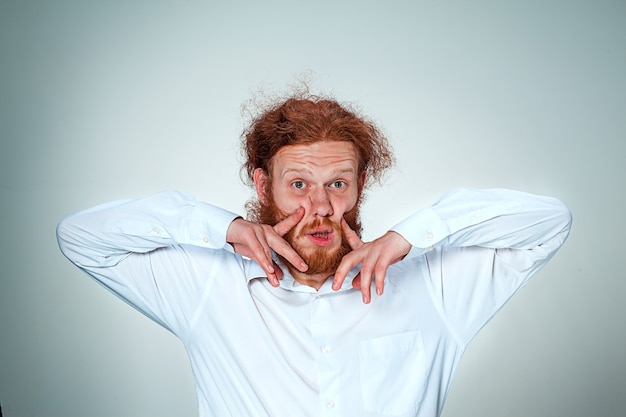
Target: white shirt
256 350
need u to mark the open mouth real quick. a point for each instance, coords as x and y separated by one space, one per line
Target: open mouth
321 237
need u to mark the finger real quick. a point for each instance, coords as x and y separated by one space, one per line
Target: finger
273 273
278 272
348 262
284 249
285 225
270 271
380 274
354 241
271 276
261 253
366 281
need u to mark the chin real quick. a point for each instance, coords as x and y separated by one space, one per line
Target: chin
322 259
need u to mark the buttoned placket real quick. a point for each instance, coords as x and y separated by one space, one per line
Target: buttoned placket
325 337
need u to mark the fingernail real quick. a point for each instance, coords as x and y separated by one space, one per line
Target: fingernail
379 291
366 299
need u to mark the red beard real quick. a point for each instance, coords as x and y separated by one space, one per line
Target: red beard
321 259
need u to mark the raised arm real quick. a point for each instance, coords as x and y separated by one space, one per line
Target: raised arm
498 219
158 253
104 235
155 253
494 218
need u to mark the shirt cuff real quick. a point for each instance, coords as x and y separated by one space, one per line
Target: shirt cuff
208 225
423 229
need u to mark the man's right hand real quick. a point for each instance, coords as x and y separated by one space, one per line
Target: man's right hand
256 241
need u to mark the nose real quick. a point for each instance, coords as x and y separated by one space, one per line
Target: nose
320 203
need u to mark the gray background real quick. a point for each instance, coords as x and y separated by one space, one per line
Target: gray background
102 100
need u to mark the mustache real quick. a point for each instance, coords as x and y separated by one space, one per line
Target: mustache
320 223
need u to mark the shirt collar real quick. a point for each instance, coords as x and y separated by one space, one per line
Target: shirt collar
254 271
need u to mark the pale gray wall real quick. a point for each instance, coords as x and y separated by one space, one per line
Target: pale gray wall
102 100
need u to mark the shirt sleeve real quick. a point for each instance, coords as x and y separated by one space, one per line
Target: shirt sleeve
153 252
481 246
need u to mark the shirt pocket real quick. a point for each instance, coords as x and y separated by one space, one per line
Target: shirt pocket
393 373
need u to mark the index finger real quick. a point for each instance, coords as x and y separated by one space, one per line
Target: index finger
285 225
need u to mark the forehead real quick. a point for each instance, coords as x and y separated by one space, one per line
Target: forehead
314 157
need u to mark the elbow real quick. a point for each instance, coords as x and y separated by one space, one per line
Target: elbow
565 215
562 221
63 237
71 243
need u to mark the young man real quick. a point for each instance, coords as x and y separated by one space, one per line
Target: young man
290 313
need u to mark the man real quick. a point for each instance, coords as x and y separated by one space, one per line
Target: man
290 313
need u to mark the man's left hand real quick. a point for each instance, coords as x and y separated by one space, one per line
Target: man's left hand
375 257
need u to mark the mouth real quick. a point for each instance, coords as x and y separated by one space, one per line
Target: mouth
321 237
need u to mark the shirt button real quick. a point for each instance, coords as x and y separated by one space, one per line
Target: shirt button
330 404
429 235
325 349
205 239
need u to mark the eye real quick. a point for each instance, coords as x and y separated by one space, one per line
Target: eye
338 184
298 184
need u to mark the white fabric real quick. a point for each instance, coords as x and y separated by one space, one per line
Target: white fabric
256 350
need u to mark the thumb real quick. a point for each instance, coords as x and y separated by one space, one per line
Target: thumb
350 236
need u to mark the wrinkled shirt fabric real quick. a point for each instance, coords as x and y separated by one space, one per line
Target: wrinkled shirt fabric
256 350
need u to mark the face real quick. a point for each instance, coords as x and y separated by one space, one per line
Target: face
322 178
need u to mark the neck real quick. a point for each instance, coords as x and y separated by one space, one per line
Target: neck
315 280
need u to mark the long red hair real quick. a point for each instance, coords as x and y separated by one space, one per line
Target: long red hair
302 120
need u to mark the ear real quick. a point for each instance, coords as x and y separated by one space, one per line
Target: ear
362 179
261 183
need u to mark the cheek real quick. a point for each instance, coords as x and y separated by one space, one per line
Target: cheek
287 203
343 205
349 201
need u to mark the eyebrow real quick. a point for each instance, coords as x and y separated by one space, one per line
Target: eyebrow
339 171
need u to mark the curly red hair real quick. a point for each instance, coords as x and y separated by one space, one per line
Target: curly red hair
308 119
